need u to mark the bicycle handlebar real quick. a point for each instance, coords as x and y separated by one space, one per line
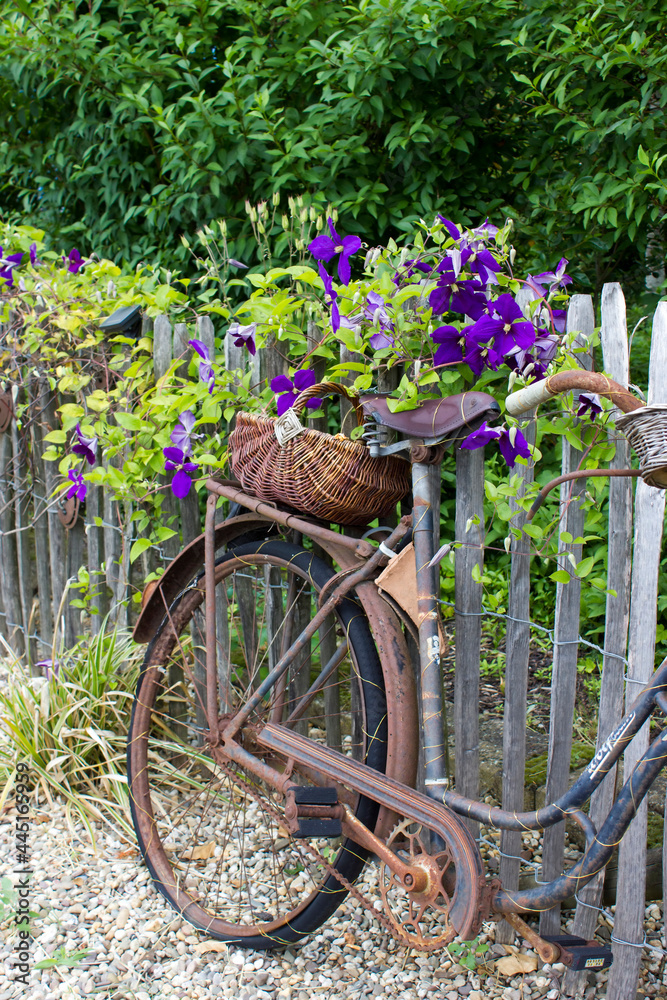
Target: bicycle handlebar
576 378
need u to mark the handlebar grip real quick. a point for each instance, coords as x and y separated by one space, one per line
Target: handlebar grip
528 397
578 379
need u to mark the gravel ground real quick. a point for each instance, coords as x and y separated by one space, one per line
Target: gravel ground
103 903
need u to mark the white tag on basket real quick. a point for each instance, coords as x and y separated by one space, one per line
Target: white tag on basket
287 426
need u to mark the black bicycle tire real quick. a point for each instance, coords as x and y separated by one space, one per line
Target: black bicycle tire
352 858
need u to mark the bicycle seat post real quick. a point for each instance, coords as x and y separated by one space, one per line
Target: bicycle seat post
436 778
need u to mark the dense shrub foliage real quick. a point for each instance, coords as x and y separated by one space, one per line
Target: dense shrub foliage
126 123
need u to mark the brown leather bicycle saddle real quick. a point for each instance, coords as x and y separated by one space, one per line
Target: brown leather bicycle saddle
435 418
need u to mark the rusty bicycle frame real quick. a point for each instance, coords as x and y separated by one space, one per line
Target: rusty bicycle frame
439 807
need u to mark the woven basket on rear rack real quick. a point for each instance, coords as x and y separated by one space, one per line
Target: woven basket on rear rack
328 476
646 430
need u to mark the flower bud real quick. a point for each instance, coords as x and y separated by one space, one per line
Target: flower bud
512 255
261 228
508 544
285 223
300 244
511 380
303 215
253 214
299 200
292 204
275 198
312 213
222 225
319 224
248 207
334 214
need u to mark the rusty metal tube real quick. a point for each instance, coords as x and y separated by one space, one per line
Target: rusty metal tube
576 378
430 675
211 659
578 474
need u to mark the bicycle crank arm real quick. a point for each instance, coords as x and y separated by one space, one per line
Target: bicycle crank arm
472 898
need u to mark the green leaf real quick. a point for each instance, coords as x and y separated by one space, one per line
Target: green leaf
585 566
139 546
56 437
560 576
130 422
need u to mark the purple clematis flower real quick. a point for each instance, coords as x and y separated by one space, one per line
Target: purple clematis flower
505 325
545 315
289 389
511 442
451 228
589 401
33 254
480 260
456 346
182 432
375 309
409 269
481 437
86 447
331 294
326 248
540 355
205 370
177 459
7 265
244 336
51 668
237 263
73 261
451 295
78 488
486 231
557 278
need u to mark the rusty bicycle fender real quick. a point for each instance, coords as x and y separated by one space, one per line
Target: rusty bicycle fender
159 596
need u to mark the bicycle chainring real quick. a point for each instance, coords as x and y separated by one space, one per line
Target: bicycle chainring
421 919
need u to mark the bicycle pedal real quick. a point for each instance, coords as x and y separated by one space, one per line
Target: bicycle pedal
315 795
320 826
578 954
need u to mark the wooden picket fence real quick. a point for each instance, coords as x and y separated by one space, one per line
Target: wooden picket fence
40 557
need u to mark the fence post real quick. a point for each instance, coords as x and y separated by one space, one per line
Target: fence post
649 520
469 531
41 501
580 318
57 543
22 525
162 358
9 577
96 555
614 341
517 655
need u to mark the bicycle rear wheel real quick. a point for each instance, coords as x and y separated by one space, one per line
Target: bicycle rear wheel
212 835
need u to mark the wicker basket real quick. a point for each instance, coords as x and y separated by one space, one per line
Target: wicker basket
332 478
646 430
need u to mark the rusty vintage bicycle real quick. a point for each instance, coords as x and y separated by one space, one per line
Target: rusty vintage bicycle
276 727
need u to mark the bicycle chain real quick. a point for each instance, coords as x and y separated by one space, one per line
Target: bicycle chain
385 921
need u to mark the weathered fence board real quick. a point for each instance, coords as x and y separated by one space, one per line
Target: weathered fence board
649 522
614 342
9 578
468 618
517 654
40 521
580 318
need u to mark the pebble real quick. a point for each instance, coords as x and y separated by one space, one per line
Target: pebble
139 949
